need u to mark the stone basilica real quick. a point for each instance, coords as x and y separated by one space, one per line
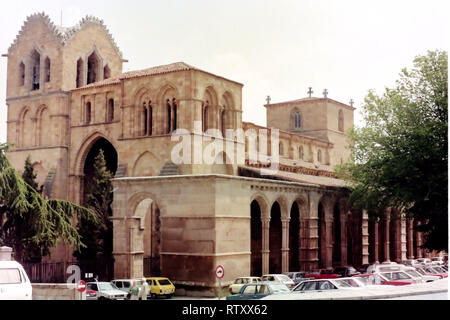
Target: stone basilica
68 98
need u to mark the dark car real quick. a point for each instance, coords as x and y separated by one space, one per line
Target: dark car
259 290
363 268
347 271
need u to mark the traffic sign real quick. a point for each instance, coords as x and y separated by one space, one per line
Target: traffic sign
81 286
220 272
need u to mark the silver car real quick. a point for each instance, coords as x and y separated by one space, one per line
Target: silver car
104 291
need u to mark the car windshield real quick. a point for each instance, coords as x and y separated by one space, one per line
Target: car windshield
279 288
164 282
413 273
106 286
421 271
346 283
284 278
324 271
437 269
363 280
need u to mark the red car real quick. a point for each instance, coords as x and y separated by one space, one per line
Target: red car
379 279
322 274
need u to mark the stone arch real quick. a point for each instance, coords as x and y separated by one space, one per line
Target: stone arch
295 233
47 69
256 238
142 105
226 113
145 165
168 96
296 119
282 202
147 237
20 132
275 238
43 132
27 129
85 147
94 66
263 202
209 107
35 67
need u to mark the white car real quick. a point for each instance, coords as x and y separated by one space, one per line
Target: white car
238 283
284 279
14 282
105 291
415 274
329 284
126 284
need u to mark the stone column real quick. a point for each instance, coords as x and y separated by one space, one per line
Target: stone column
328 241
285 245
265 245
410 240
419 242
376 238
386 235
365 237
343 244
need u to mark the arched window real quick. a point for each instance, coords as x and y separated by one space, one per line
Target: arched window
36 69
106 72
169 115
110 110
47 69
21 74
205 116
297 120
319 156
88 113
280 149
222 122
174 107
300 152
341 121
150 120
93 63
79 81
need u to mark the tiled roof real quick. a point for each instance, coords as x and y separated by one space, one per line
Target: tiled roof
306 100
167 68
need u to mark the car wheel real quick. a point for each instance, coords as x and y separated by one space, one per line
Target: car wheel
102 298
153 295
169 296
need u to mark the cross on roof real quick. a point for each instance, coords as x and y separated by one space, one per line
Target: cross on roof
325 92
268 99
351 102
310 91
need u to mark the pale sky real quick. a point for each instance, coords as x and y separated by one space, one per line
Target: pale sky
277 48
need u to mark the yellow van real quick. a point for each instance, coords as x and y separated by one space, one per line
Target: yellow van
160 286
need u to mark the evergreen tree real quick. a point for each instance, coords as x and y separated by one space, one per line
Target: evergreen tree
99 199
28 174
28 222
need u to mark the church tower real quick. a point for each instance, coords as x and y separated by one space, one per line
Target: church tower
321 118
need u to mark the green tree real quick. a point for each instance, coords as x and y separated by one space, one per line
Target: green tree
99 198
400 155
28 222
28 174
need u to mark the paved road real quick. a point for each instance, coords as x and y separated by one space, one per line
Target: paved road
433 296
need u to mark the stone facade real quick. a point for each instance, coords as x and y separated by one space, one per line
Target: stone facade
68 98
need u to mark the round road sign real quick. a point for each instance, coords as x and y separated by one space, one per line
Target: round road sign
220 272
81 286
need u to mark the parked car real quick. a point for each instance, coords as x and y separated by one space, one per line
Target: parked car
427 271
437 260
384 266
328 284
424 260
237 284
415 274
91 294
14 282
282 278
259 290
105 291
363 268
160 286
126 284
347 271
322 274
402 276
297 277
380 279
440 270
410 262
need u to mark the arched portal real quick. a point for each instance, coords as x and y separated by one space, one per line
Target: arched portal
150 231
337 254
294 238
256 239
275 238
110 155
